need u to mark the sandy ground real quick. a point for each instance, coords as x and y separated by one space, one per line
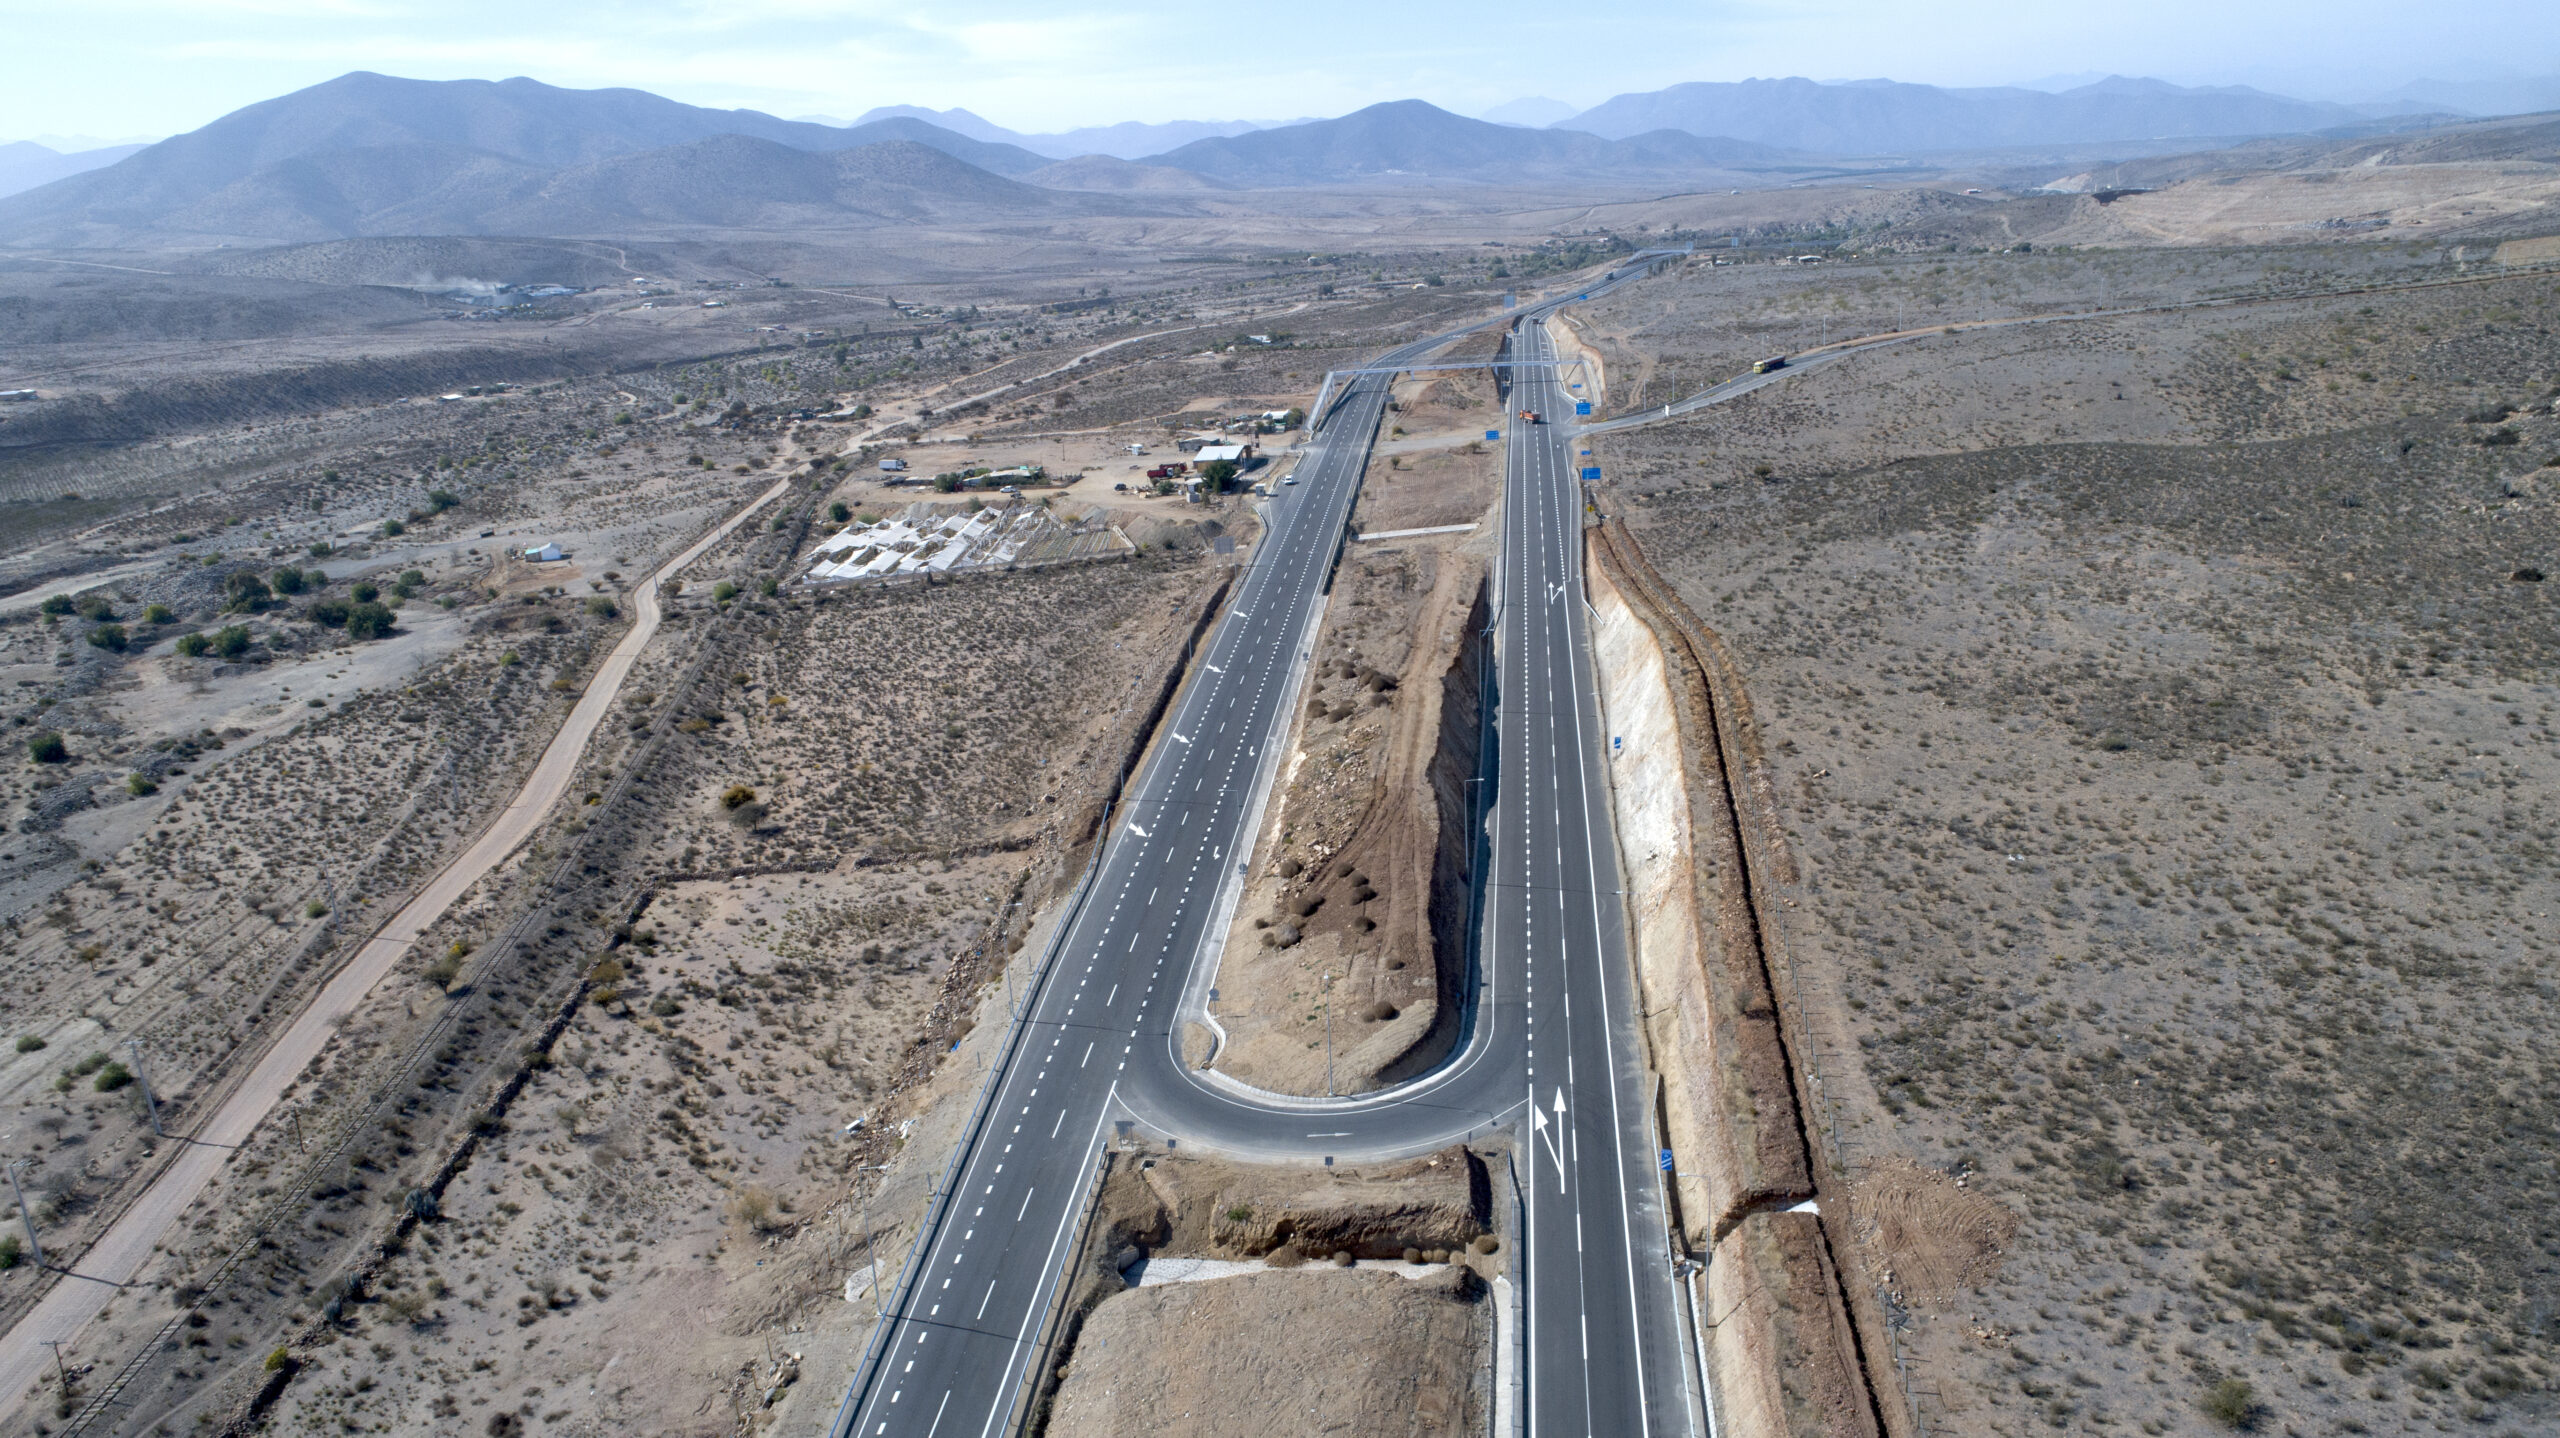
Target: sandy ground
1403 1346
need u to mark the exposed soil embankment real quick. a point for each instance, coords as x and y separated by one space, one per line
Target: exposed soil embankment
1346 967
1786 1354
1369 1352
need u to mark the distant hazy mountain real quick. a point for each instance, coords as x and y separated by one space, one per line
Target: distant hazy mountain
1535 110
1406 140
370 154
2479 97
957 121
1871 116
24 164
1127 140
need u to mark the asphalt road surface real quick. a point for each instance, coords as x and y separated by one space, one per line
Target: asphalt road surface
1549 1029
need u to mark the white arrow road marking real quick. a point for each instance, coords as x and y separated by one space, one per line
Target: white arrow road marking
1134 829
1181 739
1555 1150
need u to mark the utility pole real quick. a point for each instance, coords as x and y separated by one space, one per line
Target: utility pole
1328 1036
870 1250
150 1101
26 1216
61 1374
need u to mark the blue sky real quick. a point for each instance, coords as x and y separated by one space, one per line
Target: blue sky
119 67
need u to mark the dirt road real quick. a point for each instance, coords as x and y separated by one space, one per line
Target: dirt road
122 1252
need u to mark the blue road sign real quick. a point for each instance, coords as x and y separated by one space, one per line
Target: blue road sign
1493 434
1582 406
1590 472
1665 1160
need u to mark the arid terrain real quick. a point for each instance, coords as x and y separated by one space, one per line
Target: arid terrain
2160 710
2154 712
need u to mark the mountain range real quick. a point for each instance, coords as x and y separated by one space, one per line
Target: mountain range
1411 140
25 164
1882 116
369 154
1128 140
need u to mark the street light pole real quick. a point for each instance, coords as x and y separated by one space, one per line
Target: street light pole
870 1250
150 1100
26 1216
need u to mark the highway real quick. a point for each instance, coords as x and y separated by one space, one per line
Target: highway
1549 1031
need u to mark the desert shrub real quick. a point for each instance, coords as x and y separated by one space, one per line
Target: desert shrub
246 591
231 640
328 613
109 636
114 1076
603 607
368 621
29 1043
279 1360
363 592
315 910
446 968
440 500
57 604
839 512
737 796
392 528
754 1209
1240 1213
768 587
724 591
96 607
139 786
47 748
1219 475
2232 1403
159 614
288 580
509 660
11 1254
193 645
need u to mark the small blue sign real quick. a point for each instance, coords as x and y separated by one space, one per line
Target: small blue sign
1590 472
1665 1160
1493 434
1582 406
